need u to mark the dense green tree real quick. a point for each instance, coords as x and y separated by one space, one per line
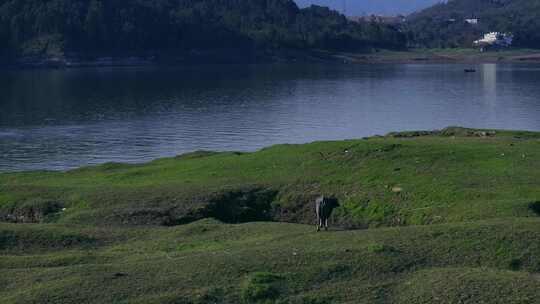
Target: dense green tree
4 35
30 27
94 24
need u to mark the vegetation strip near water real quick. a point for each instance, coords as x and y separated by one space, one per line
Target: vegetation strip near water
452 218
454 55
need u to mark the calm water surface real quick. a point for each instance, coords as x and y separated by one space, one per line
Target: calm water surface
61 119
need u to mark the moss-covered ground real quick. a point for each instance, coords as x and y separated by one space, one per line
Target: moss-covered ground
426 217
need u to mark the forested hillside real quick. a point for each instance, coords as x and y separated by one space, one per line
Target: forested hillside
444 25
54 27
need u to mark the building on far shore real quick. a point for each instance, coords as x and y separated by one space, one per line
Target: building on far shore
494 40
473 21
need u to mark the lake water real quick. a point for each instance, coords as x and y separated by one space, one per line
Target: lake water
61 119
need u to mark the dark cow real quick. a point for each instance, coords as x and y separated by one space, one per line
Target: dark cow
324 207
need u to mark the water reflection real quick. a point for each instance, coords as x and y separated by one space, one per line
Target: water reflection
64 119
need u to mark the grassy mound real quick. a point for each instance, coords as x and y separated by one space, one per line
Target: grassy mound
493 261
408 178
470 285
28 239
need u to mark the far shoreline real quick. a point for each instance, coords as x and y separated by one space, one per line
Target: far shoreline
444 56
412 56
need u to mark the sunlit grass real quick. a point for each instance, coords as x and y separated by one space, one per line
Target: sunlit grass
452 217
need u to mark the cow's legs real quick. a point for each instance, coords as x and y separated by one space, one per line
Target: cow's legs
326 224
319 225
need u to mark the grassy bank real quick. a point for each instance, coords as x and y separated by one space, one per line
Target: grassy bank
210 262
453 218
406 178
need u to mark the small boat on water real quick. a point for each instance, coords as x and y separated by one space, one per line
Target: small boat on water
470 70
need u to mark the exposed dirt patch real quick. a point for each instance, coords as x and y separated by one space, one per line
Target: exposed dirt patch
412 134
197 154
242 206
230 206
447 132
456 131
158 216
535 207
33 211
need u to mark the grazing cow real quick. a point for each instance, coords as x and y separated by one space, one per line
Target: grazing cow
324 207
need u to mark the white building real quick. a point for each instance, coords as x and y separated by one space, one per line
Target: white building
472 21
495 39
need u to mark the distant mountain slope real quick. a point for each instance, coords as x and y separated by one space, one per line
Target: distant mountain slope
443 25
54 27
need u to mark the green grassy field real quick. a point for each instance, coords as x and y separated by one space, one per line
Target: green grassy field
452 218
